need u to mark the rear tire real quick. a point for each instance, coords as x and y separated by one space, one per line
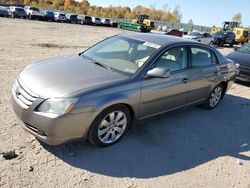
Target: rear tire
109 126
221 44
214 97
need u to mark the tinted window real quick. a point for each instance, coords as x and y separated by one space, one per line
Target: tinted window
35 9
214 59
20 9
207 35
174 59
200 57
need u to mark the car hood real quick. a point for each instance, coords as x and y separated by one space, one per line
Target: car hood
239 57
59 77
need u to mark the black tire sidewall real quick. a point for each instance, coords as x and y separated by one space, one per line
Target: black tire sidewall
93 135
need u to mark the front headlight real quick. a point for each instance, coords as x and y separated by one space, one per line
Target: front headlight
58 105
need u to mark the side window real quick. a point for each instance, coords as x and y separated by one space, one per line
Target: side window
214 59
200 57
174 59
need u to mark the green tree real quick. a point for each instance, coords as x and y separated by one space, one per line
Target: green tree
190 22
237 17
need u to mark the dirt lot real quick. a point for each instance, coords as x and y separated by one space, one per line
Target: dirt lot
190 148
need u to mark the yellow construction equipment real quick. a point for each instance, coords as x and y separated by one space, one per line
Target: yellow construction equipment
140 23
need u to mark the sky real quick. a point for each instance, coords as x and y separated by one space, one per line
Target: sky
206 13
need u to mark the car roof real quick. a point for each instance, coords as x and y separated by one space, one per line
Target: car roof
163 40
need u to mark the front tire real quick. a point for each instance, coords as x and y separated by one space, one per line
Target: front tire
109 126
214 97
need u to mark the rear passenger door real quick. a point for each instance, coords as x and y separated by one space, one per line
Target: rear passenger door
204 71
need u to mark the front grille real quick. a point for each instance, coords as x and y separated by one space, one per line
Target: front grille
31 127
24 98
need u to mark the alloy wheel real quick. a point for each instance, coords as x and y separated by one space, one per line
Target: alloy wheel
112 127
215 96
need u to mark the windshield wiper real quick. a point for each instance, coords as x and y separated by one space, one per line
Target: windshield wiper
97 63
100 64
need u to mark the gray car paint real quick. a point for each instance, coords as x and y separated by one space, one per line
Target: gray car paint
99 88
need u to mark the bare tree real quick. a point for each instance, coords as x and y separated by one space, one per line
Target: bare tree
177 13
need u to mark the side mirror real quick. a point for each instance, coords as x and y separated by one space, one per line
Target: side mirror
159 72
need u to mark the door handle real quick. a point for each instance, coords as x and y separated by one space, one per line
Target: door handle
185 80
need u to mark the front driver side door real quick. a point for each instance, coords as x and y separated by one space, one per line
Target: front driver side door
160 95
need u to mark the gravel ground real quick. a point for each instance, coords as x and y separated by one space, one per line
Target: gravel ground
188 148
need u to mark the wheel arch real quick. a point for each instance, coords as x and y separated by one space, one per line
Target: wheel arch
225 85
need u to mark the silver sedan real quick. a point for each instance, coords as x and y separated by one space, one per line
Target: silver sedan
99 93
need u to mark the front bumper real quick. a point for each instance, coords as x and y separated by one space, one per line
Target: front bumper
52 130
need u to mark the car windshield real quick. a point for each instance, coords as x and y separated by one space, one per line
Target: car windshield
20 9
34 9
197 34
120 53
244 49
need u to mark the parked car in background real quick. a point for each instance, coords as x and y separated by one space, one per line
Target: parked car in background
17 12
96 20
71 18
224 37
48 15
113 23
205 38
33 13
174 32
84 19
242 57
97 94
60 17
105 22
3 12
193 35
